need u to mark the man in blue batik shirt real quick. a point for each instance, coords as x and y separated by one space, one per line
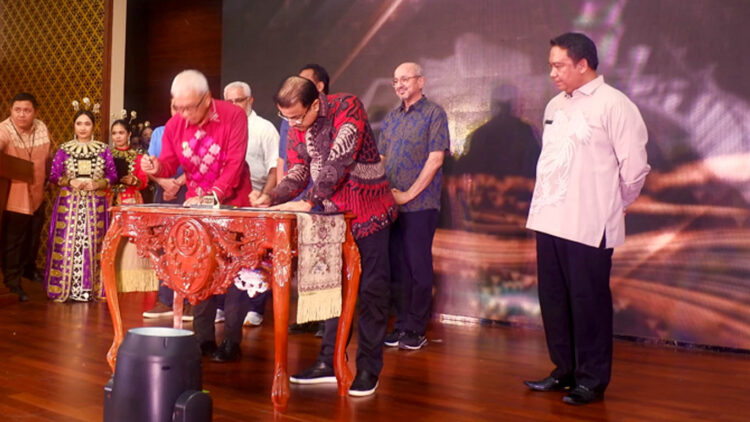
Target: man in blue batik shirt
413 141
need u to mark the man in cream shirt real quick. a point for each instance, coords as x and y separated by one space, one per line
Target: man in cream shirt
262 156
592 166
262 139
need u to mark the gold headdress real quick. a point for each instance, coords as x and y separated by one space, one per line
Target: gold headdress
86 104
137 129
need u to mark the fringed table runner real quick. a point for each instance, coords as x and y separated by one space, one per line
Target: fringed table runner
319 266
134 274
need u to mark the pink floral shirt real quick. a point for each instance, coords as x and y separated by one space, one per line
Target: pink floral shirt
212 155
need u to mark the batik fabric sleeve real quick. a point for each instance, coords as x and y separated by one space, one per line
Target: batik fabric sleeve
340 155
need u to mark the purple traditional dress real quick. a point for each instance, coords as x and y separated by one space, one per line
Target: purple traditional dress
78 223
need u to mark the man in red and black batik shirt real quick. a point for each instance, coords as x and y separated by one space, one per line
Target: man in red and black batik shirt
330 142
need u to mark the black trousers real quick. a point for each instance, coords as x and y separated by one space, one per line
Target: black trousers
412 274
576 304
20 245
236 307
372 320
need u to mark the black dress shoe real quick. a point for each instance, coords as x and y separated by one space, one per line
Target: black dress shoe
208 348
307 327
319 373
228 351
549 384
364 384
582 395
22 296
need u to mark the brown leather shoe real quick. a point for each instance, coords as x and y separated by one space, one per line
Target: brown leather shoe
158 311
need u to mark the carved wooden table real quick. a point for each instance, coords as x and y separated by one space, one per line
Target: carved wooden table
197 253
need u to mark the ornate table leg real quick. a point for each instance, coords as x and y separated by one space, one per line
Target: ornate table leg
109 251
282 271
350 286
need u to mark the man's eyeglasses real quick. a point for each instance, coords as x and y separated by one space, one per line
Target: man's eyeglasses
294 121
189 108
404 79
237 100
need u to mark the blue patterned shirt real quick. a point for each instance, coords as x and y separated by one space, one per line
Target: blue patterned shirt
406 140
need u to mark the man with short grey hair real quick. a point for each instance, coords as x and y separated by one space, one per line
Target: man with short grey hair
208 138
262 139
262 156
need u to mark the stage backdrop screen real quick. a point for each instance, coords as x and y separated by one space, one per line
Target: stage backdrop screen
684 272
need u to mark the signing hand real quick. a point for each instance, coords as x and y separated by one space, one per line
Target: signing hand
259 200
196 200
302 206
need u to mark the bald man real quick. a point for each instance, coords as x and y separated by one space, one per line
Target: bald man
413 142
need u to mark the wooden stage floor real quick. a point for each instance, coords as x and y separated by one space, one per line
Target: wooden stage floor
53 368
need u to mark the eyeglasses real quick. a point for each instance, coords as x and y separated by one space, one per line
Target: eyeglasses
404 79
295 121
189 108
237 100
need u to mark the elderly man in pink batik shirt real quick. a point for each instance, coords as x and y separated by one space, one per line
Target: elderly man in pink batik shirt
208 138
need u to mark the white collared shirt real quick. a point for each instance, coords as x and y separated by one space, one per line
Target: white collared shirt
593 164
262 149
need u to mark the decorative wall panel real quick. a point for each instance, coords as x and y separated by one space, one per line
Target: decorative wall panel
54 50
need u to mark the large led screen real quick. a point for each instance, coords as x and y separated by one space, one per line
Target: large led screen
684 272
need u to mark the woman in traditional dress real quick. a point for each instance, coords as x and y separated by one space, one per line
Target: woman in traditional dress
83 168
131 179
133 272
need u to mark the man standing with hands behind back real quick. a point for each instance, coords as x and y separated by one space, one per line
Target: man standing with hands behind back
413 143
593 165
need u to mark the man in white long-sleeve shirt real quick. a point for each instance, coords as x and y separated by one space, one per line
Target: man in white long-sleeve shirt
261 156
592 166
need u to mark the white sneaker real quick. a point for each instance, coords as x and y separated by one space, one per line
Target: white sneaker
253 318
219 316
